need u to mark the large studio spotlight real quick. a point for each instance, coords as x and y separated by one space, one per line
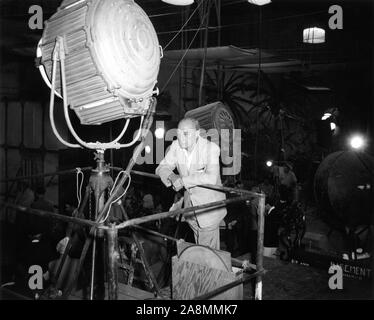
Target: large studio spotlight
103 58
357 142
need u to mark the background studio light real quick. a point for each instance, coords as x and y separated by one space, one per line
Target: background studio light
357 142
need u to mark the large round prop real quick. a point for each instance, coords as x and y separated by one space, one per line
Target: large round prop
112 58
213 116
216 116
343 189
203 256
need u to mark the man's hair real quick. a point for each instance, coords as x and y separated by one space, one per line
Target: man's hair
195 122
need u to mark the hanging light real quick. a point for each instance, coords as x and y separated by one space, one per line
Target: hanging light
326 116
269 163
159 133
147 149
179 2
259 2
314 35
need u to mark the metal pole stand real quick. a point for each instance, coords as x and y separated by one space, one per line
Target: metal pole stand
100 183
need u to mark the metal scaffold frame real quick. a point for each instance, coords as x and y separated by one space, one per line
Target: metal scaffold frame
112 234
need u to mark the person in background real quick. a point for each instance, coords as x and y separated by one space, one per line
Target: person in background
39 247
284 176
287 178
148 202
267 188
238 221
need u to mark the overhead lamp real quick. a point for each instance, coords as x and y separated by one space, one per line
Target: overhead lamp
147 149
314 35
269 163
160 132
259 2
326 116
179 2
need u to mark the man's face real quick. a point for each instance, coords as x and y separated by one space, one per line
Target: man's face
187 135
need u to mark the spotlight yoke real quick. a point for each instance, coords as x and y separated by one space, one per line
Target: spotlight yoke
109 55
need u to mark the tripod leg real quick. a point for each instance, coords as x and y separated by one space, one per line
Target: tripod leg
147 268
61 262
86 246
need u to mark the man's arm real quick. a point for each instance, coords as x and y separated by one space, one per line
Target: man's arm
167 165
211 171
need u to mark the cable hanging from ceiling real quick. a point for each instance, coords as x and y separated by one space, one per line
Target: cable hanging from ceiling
185 52
184 25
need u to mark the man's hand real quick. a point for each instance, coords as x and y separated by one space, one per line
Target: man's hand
176 181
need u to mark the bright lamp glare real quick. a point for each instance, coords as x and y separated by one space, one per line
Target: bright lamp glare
314 35
326 116
159 133
259 2
332 126
269 163
179 2
357 142
147 149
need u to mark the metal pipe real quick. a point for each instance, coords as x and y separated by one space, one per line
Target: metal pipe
47 214
97 195
12 293
139 173
77 213
162 215
207 186
246 278
239 263
260 245
231 190
113 256
40 175
155 233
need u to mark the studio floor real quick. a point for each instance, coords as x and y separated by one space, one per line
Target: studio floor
289 281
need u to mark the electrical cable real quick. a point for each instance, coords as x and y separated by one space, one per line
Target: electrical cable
184 54
113 187
79 187
181 29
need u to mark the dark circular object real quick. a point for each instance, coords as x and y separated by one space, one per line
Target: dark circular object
343 188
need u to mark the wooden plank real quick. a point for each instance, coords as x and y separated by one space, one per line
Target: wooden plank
190 280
